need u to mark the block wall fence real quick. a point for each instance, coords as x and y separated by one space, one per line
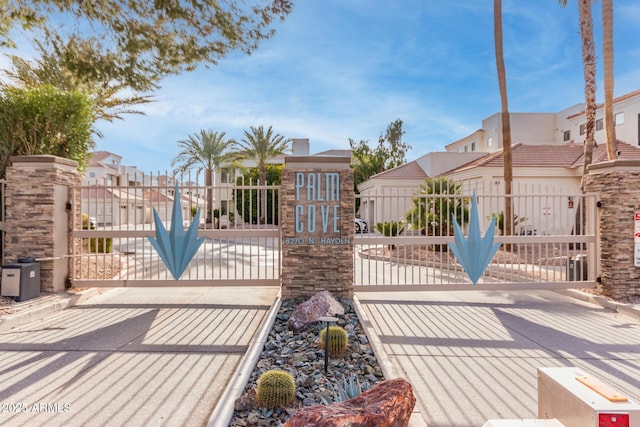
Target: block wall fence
617 184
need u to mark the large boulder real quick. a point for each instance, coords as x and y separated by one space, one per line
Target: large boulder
388 404
319 305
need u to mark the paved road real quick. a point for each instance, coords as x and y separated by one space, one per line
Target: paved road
472 356
129 357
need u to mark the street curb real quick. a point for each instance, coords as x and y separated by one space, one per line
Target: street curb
622 308
45 308
386 365
223 412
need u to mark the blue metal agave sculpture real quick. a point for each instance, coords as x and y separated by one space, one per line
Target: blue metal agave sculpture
176 249
476 252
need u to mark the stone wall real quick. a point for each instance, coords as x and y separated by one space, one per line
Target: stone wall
37 217
617 184
317 203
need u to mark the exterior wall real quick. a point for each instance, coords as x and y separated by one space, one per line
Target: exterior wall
629 130
37 219
616 183
388 200
317 252
437 163
549 128
555 217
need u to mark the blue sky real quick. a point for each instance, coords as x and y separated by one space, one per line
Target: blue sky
340 69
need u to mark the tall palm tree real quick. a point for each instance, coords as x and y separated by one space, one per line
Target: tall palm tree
261 146
506 123
206 152
589 67
607 55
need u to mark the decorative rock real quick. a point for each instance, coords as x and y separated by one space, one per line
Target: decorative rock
388 404
319 305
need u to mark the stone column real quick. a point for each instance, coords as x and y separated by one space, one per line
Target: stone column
317 204
617 184
38 214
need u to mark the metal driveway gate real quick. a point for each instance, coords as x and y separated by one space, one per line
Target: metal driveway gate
552 244
112 225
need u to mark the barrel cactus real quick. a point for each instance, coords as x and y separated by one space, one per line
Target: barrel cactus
338 340
276 388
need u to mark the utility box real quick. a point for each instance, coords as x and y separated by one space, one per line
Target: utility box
577 399
21 281
577 268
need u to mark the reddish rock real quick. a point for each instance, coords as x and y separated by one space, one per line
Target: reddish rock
388 404
319 305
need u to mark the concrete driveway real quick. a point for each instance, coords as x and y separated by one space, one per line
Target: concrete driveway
129 357
473 356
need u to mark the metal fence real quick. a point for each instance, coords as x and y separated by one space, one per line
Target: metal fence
549 243
113 224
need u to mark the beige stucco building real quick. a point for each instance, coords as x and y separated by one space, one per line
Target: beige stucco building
547 152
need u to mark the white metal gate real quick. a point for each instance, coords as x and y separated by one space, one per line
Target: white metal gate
552 244
112 225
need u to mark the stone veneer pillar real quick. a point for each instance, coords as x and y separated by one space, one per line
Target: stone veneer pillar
617 184
317 204
38 221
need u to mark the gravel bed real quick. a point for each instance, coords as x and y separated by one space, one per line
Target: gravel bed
300 355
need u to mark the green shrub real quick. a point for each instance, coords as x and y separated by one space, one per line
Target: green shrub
276 388
103 245
338 340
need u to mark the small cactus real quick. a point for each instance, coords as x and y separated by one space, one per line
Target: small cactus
276 388
338 340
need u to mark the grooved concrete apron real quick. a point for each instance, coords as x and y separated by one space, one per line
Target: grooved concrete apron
473 356
129 357
138 357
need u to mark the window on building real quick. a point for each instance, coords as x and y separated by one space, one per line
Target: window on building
581 130
92 174
224 176
567 135
619 119
599 124
473 146
224 206
466 148
489 142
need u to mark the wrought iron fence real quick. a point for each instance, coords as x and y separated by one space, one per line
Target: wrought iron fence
239 222
548 241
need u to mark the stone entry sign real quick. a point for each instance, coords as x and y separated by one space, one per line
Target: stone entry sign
316 220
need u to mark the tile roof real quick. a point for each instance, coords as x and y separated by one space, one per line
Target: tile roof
550 156
411 170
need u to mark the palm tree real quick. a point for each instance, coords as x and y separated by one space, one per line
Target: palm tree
206 151
261 146
589 64
607 55
506 123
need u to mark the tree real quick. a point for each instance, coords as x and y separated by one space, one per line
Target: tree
136 43
390 152
506 122
607 54
260 147
206 152
108 104
434 205
246 198
589 71
45 120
